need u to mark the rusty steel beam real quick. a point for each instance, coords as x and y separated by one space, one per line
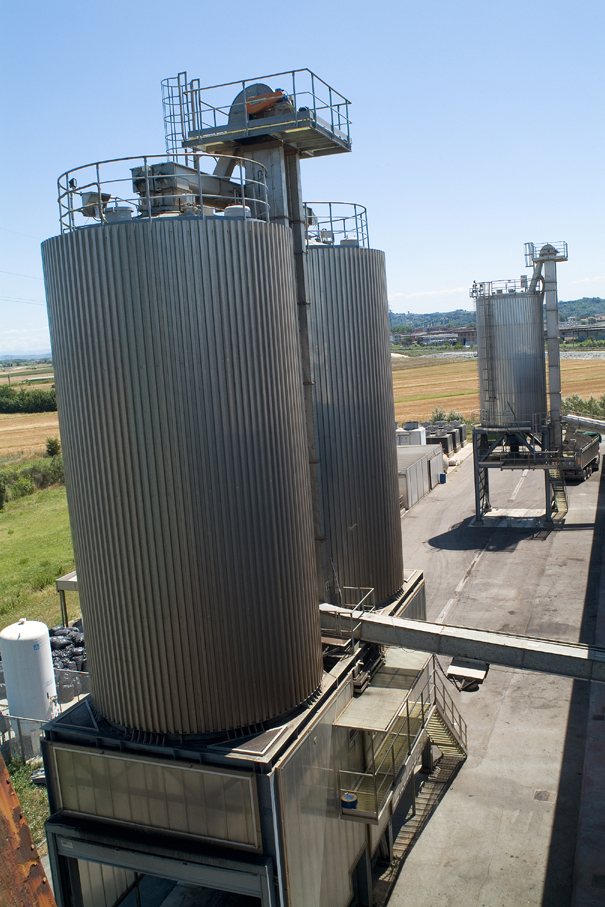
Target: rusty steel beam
23 881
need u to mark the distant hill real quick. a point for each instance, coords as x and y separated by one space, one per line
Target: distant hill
582 308
578 308
435 319
22 358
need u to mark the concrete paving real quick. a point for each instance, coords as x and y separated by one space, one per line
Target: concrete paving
505 833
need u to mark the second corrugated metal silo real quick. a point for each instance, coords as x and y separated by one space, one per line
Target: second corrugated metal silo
510 352
355 420
178 379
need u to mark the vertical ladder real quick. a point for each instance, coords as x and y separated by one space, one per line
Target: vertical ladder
487 354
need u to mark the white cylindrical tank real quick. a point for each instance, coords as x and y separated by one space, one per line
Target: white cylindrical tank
28 669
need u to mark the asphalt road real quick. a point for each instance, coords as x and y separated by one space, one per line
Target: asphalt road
505 833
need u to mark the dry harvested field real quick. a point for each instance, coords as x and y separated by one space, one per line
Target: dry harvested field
420 385
23 435
18 376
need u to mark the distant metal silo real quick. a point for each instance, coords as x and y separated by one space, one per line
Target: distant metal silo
512 372
355 419
178 379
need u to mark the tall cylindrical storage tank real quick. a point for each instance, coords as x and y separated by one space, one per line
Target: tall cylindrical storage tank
355 420
510 352
178 381
28 669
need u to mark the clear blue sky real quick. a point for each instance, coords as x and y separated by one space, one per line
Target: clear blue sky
476 125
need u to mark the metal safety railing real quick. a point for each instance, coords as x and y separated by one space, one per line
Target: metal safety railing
190 109
20 737
447 707
195 185
357 600
535 423
500 287
396 749
541 251
334 223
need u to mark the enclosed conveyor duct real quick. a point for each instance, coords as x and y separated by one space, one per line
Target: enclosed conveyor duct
547 656
544 258
574 420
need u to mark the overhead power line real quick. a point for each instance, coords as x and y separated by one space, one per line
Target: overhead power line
16 232
22 301
14 273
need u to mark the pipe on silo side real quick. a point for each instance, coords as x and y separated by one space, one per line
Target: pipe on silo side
178 380
355 420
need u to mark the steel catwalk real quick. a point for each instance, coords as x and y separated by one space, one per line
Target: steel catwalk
178 380
512 371
355 420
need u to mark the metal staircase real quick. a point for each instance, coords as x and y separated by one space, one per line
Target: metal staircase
558 495
427 712
443 737
428 797
428 791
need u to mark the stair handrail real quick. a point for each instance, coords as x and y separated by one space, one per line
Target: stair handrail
455 721
428 696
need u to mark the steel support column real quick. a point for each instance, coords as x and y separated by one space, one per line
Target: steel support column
482 501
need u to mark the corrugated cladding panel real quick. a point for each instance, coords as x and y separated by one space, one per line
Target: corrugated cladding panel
355 419
510 349
435 465
178 378
102 886
419 467
320 848
204 802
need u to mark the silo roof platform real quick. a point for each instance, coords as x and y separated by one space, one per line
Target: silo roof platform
305 114
379 706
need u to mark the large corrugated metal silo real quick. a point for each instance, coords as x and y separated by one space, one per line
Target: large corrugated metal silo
512 372
178 379
355 420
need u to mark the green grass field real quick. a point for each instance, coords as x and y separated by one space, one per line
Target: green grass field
35 548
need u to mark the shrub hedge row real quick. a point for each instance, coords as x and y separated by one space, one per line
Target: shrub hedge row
19 481
594 406
27 401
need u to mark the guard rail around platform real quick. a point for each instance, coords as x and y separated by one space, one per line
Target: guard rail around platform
394 754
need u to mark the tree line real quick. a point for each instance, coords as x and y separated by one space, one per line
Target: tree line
27 401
